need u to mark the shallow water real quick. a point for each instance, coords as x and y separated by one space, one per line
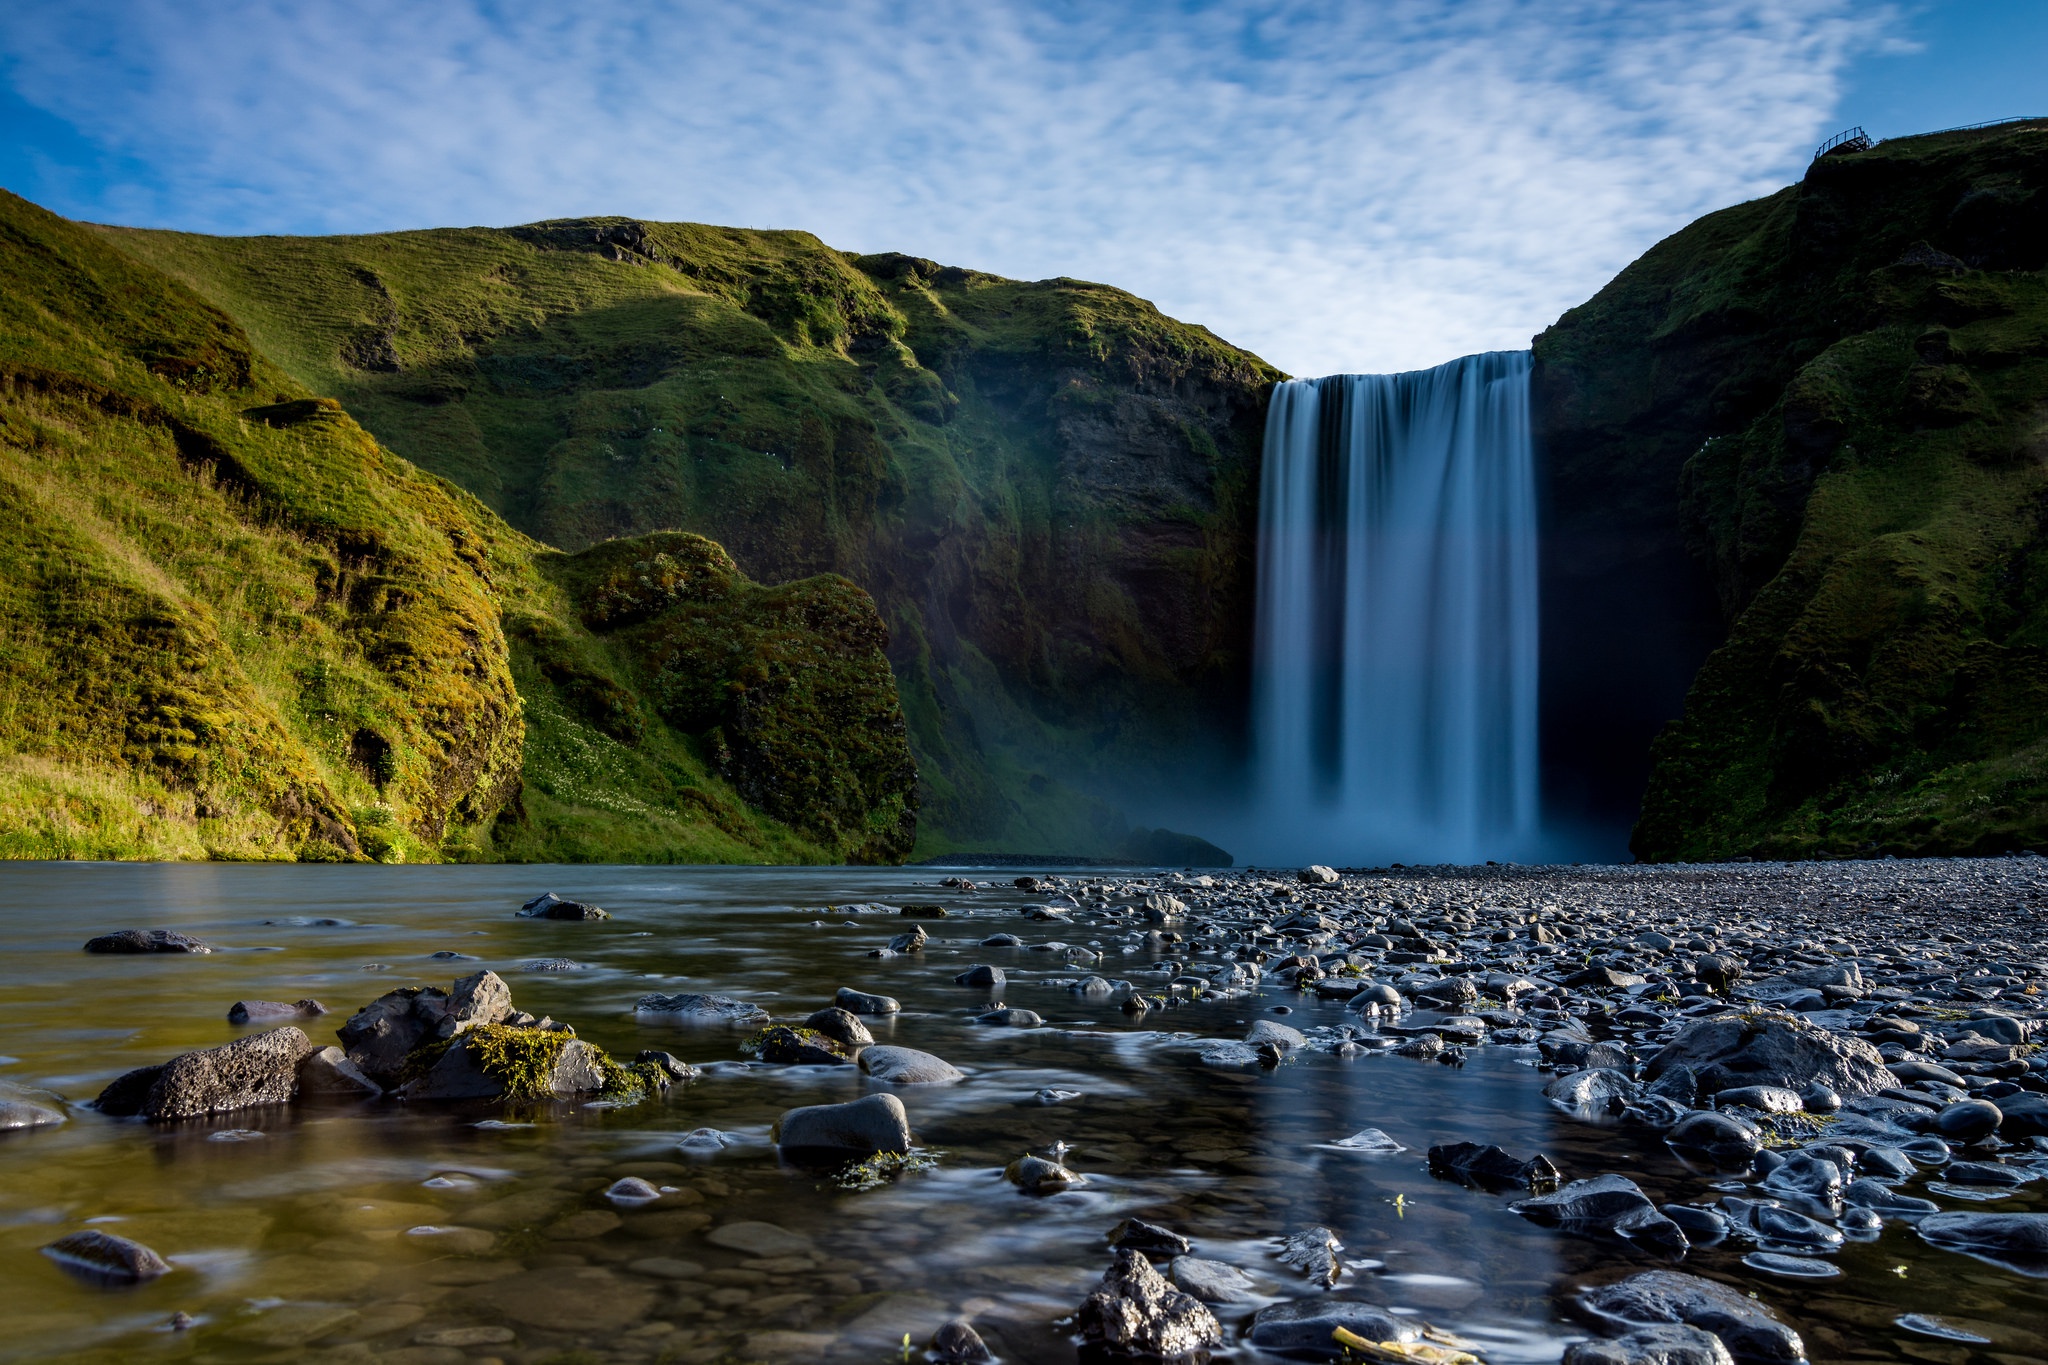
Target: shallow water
297 1241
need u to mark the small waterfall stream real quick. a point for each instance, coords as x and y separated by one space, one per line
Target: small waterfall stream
1396 652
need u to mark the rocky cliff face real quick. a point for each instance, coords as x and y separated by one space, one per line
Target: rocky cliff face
1048 488
1807 434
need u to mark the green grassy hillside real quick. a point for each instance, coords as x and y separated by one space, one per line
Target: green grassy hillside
1838 397
232 624
1048 488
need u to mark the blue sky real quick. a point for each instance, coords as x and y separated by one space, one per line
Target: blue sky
1336 184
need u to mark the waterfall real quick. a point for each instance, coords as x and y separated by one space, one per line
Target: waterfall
1394 689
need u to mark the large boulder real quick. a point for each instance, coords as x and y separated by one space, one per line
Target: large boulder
1135 1312
1750 1331
548 905
1730 1051
497 1062
874 1123
260 1069
477 999
146 941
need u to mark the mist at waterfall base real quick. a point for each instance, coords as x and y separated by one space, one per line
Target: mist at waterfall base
1396 649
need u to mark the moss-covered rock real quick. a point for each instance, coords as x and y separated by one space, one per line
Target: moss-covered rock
1845 386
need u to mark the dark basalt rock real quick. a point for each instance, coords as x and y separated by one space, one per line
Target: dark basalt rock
1036 1175
382 1034
779 1043
1134 1312
840 1026
1968 1120
146 941
1606 1204
1730 1051
1672 1345
260 1069
1134 1234
1308 1326
1749 1330
957 1343
861 1002
269 1011
1491 1168
548 905
983 977
908 1066
103 1256
2016 1241
1313 1252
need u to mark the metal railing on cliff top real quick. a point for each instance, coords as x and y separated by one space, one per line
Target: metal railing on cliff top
1856 140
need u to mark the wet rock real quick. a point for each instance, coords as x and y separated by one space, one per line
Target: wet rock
1135 1234
668 1064
550 906
860 1002
840 1026
1609 1204
1091 985
1317 875
2026 1116
1820 1099
1002 941
981 978
1009 1017
632 1192
786 1046
260 1069
1749 1330
1717 970
1379 994
1265 1031
1672 1345
326 1072
1036 1175
910 942
908 1066
1423 1047
1723 1139
1913 1072
146 941
1451 993
270 1011
1592 1093
1734 1050
1602 978
1309 1326
1702 1227
1134 1312
382 1034
1765 1099
2017 1241
691 1008
18 1111
1313 1252
1162 909
477 999
1967 1121
957 1343
1490 1167
1776 1226
1806 1176
586 1300
103 1256
1213 1281
874 1123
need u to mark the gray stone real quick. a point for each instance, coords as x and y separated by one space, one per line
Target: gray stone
1610 1204
1010 1017
908 1066
860 1002
460 1074
1725 1139
1135 1234
981 978
478 999
1134 1312
328 1073
1309 1326
1765 1099
1313 1252
22 1111
382 1034
669 1065
260 1069
1749 1330
692 1008
103 1256
1968 1120
1036 1175
2017 1241
1733 1050
1264 1031
550 906
1592 1093
840 1026
1490 1167
874 1123
957 1343
1213 1281
1667 1345
146 941
1317 875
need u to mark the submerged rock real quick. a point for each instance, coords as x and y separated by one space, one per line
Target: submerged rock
102 1255
874 1123
861 1002
146 941
2017 1241
908 1066
690 1008
1309 1326
1313 1252
1611 1204
1749 1330
957 1343
781 1044
840 1026
1491 1167
1675 1344
269 1011
19 1110
1213 1281
1036 1175
1135 1312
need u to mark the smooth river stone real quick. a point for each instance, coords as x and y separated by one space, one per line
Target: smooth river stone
588 1223
759 1239
525 1209
568 1299
294 1324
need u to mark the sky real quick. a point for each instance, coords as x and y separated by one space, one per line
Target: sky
1338 185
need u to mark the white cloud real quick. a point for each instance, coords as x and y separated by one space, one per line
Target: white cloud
1338 186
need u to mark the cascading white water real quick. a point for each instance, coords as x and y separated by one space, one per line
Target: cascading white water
1396 653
